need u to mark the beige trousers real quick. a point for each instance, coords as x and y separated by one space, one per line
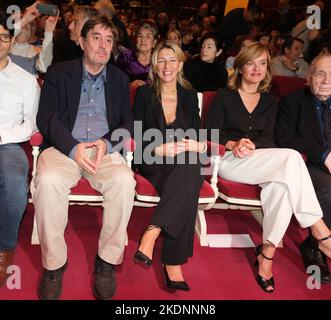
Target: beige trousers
286 188
56 175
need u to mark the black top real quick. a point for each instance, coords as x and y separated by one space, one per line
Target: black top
228 113
147 109
205 76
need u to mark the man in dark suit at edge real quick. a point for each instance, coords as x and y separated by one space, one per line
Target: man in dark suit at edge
304 124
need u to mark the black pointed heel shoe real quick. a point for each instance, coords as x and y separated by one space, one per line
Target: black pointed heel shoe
141 257
263 282
175 285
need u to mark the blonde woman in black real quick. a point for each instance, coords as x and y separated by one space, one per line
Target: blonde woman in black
168 104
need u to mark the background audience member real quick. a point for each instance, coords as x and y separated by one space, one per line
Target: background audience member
240 43
186 44
237 22
174 36
162 22
66 42
206 72
281 19
106 8
264 38
291 63
32 58
303 32
136 63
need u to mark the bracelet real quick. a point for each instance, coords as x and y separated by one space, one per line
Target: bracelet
204 147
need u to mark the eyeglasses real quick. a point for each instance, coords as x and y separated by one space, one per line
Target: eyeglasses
4 37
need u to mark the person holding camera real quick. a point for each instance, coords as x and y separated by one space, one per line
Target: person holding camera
32 58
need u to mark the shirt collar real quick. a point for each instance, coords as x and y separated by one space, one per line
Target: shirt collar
7 70
102 75
318 102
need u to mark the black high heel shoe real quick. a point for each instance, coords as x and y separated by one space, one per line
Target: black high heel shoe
263 282
175 285
141 257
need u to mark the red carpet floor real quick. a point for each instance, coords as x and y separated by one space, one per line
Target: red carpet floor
213 273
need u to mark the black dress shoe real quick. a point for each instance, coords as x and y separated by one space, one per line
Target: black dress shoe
175 285
104 279
50 286
313 256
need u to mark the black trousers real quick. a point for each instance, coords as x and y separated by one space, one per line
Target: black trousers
322 184
178 186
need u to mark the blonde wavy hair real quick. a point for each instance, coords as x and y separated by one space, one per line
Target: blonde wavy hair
252 51
153 76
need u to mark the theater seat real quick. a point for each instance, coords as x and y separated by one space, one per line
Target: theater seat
239 193
145 191
282 85
147 196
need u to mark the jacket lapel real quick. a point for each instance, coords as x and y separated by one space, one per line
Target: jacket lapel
309 105
183 109
157 111
73 88
110 91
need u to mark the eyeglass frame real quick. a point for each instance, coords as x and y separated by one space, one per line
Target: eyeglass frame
7 35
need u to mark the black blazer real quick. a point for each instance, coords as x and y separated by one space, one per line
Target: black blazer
297 125
59 102
148 110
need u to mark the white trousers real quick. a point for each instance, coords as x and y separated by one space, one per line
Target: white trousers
56 175
286 188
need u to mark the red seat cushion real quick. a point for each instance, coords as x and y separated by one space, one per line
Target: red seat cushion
145 188
206 191
239 190
83 188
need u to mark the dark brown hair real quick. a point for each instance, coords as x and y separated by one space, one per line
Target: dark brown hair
103 21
